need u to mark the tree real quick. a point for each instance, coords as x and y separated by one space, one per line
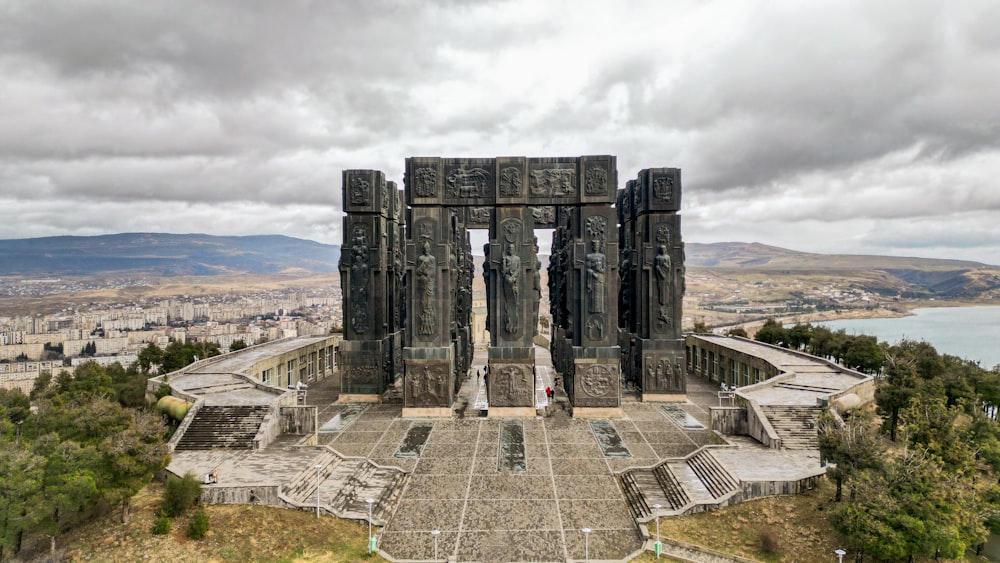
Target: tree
771 332
799 336
851 447
237 345
21 474
700 327
150 358
737 331
863 353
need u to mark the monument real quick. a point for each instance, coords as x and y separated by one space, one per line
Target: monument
408 280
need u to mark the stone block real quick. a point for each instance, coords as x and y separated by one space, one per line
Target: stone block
657 189
366 191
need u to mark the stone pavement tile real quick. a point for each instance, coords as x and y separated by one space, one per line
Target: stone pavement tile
440 449
625 426
604 544
405 463
371 425
385 448
457 424
633 437
641 412
621 464
665 438
486 465
579 466
702 437
582 449
534 434
603 487
641 450
571 436
674 450
352 437
466 437
435 487
352 450
488 447
418 546
503 546
536 449
443 466
578 514
418 515
483 515
507 486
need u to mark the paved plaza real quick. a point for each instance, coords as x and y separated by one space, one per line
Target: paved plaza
486 509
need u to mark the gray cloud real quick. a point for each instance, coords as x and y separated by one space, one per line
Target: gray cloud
831 125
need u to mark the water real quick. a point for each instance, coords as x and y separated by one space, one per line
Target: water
972 333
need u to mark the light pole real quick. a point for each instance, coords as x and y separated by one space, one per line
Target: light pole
435 533
657 546
318 467
840 555
371 546
586 544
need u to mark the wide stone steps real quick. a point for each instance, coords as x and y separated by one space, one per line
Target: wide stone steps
672 489
710 472
632 484
796 426
369 481
231 427
302 488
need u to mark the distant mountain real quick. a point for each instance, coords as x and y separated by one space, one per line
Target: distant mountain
163 254
916 277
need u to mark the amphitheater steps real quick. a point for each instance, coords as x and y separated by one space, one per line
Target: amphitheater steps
302 488
795 425
232 427
633 483
710 472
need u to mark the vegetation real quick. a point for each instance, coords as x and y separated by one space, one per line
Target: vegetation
198 524
181 494
79 453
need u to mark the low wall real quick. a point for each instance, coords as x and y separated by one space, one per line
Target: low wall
729 420
269 429
759 428
261 494
299 420
183 426
754 489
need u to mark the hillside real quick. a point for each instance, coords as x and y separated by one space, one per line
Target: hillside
161 254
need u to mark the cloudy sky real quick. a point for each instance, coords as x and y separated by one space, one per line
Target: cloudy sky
824 126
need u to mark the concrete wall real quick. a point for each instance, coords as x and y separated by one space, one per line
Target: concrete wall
299 420
729 420
759 428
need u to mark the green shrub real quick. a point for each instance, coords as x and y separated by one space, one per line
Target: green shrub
181 494
161 526
198 524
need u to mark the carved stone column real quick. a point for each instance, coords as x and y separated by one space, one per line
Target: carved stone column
511 271
659 267
366 274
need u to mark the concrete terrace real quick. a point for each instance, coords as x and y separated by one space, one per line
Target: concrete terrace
458 483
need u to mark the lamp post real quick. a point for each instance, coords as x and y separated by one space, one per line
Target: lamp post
657 546
371 544
840 555
435 533
586 544
318 467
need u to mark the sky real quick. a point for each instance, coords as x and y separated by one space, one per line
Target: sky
832 126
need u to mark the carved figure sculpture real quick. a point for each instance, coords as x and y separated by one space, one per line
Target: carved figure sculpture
510 268
360 274
662 267
597 266
426 273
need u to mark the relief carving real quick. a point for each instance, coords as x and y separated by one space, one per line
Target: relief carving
510 269
510 182
468 183
554 182
360 191
480 215
663 188
596 228
595 327
598 380
596 182
360 277
663 271
426 274
597 266
428 387
544 215
512 385
425 182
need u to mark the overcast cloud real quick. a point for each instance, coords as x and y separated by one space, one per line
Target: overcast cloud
824 126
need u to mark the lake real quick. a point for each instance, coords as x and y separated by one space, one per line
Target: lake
972 333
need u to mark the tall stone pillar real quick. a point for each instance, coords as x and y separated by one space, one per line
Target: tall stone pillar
592 290
366 276
429 352
659 274
512 278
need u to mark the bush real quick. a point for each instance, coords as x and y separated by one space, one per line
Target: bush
198 524
181 494
768 540
161 526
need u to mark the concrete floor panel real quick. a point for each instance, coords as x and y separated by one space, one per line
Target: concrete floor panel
510 487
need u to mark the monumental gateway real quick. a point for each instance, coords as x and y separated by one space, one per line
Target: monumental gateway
615 275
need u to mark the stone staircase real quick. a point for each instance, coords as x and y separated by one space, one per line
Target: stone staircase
679 486
710 472
344 486
232 427
795 425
